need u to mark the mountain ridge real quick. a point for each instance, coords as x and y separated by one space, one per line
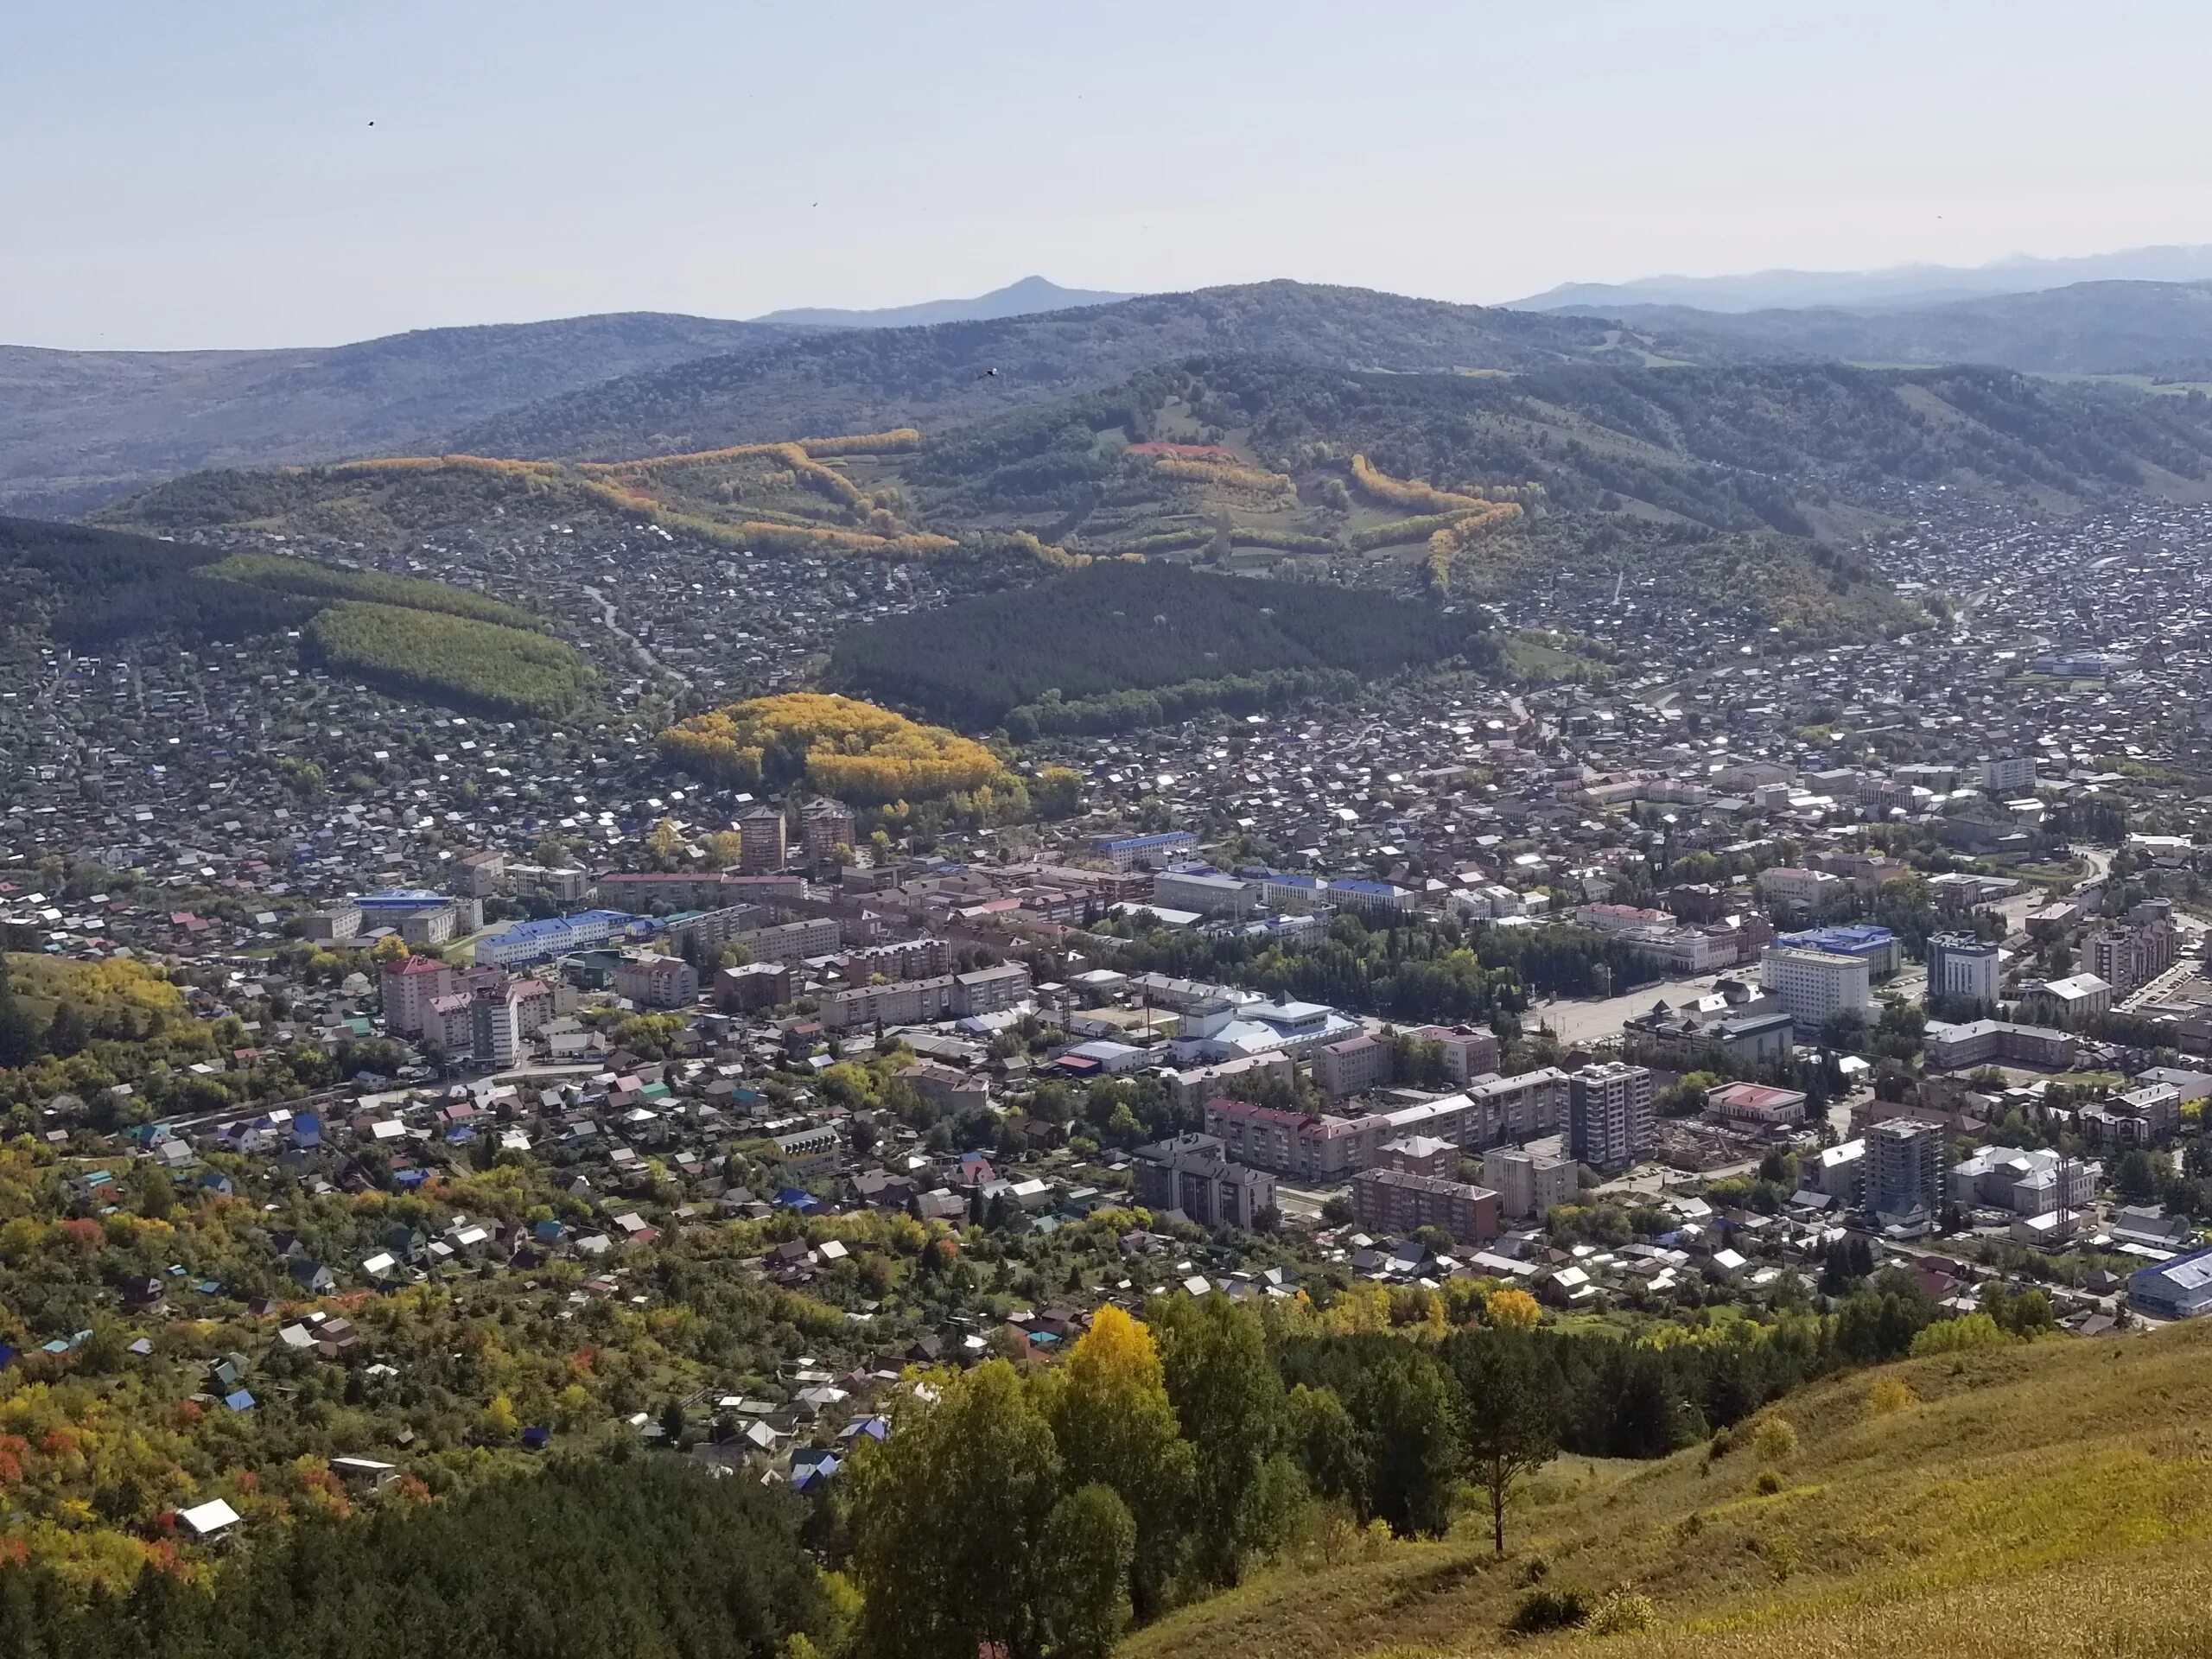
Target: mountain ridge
80 427
1895 285
2097 327
1023 297
946 373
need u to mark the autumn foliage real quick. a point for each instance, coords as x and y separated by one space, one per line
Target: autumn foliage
841 745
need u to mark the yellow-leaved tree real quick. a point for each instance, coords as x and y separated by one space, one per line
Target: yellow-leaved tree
1115 1427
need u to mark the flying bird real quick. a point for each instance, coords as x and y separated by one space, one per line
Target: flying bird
988 374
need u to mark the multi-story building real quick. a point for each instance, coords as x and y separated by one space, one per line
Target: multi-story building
338 922
408 985
1371 897
1987 1042
2134 950
1353 1066
480 875
1876 946
1904 1168
2013 774
1522 1106
1311 1147
1609 1122
555 936
920 1002
499 1034
450 1022
1813 986
2147 1116
1468 1053
1193 1173
431 926
2026 1183
760 847
1685 1039
1205 891
1127 851
1528 1185
900 959
826 831
1419 1154
790 942
651 982
2070 1003
1808 893
1294 892
755 985
1393 1201
710 930
1962 969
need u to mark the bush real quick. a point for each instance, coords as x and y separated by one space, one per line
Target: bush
1774 1439
1621 1612
1550 1609
1768 1483
1889 1395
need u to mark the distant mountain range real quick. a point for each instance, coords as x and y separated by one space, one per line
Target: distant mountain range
2160 330
1897 285
80 427
1025 298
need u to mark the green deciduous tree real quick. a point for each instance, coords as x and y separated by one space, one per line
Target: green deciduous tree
1229 1400
949 1515
1089 1544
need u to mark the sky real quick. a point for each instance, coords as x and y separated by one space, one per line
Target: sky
254 172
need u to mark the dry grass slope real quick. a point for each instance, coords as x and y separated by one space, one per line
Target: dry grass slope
2030 1502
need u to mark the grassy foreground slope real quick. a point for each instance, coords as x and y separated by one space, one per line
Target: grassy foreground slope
2022 1502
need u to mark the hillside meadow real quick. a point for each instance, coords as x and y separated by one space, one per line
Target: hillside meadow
2048 1499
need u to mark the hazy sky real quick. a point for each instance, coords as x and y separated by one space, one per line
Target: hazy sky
205 173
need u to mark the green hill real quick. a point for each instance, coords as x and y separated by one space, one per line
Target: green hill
97 589
2019 1502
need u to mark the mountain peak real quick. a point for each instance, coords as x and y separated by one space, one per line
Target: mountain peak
1022 297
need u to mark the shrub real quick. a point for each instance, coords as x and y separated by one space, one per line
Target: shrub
1549 1609
1768 1483
1889 1395
1774 1439
1623 1611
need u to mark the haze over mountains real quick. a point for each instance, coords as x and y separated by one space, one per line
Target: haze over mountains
2160 330
1896 285
1020 299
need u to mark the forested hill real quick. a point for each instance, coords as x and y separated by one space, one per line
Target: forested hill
2154 329
80 427
1802 448
867 380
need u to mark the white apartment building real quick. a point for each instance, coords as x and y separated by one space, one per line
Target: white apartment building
1960 965
1814 986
